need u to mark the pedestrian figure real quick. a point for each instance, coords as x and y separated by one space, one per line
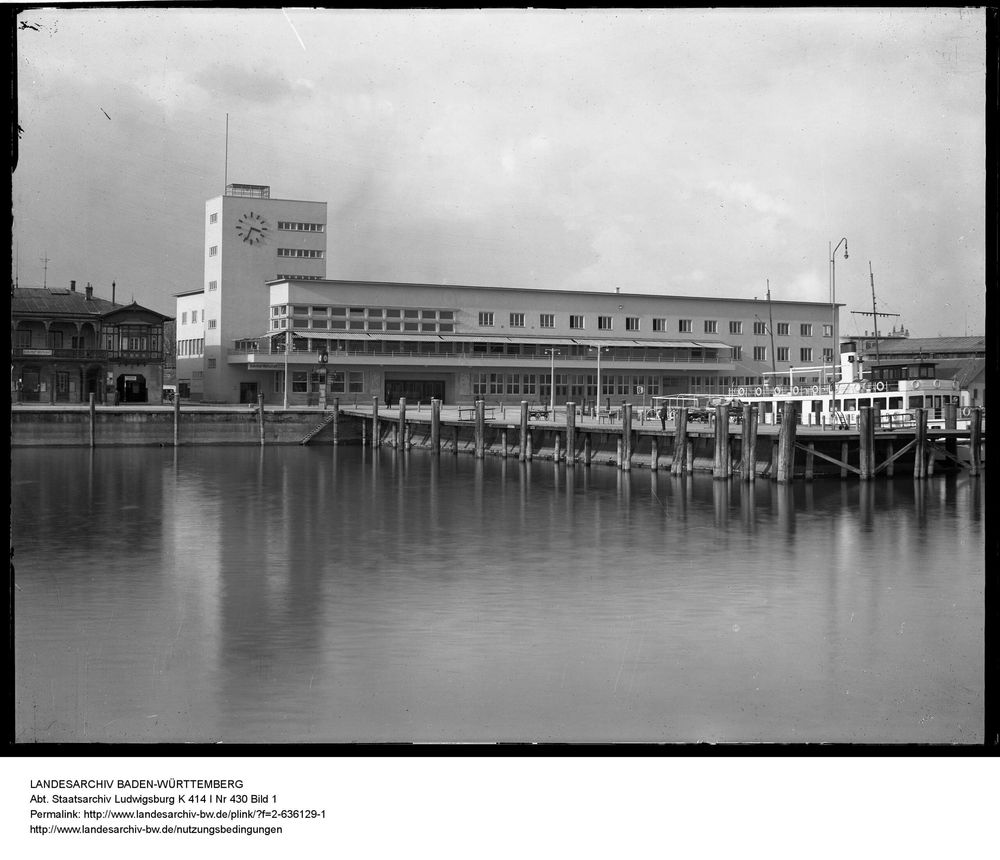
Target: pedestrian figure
663 417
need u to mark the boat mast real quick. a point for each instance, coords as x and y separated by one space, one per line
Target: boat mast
874 314
770 328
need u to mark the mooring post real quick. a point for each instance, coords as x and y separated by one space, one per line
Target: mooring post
93 420
786 444
866 438
401 431
260 422
920 448
522 448
336 419
528 447
480 429
654 454
556 452
627 437
435 426
722 468
951 423
374 422
571 434
503 443
975 441
749 442
680 442
620 453
177 419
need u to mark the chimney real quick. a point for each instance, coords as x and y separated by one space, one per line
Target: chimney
112 292
72 286
90 291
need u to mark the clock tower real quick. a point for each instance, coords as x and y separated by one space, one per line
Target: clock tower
250 239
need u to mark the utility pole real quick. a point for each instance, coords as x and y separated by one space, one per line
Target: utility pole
770 327
45 271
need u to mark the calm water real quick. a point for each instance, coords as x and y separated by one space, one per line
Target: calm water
323 595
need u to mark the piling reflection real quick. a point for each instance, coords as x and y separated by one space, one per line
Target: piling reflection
303 594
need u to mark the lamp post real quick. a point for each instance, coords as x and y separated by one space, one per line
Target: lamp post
833 308
288 342
552 390
599 349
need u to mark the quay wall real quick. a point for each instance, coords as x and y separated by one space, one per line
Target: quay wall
156 426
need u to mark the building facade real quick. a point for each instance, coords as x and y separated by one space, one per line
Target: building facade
67 345
355 340
250 239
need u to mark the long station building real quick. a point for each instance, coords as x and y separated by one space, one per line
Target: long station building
269 322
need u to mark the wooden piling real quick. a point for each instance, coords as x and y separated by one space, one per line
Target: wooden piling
93 421
749 440
866 438
177 419
260 422
722 467
374 421
680 442
555 446
435 426
786 444
627 437
570 434
522 452
480 429
920 448
503 443
528 447
654 454
336 418
975 442
810 457
844 449
401 426
454 438
588 450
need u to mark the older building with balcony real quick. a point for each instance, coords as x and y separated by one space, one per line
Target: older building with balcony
67 345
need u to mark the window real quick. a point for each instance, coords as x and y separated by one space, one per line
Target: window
211 324
211 364
605 323
575 321
194 316
659 324
485 319
212 286
479 383
184 317
806 330
783 353
546 320
782 329
528 383
737 353
827 354
828 330
760 353
631 323
213 218
711 326
213 251
684 326
806 354
356 382
735 327
759 328
516 321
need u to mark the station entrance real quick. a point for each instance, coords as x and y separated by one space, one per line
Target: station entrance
414 390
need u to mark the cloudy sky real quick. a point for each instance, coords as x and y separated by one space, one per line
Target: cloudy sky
704 152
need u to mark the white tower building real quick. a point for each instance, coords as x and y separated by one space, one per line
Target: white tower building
250 238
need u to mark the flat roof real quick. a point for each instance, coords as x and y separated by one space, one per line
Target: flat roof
541 291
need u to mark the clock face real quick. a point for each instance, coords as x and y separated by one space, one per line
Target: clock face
252 228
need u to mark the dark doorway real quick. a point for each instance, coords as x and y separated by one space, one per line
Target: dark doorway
248 392
131 388
414 390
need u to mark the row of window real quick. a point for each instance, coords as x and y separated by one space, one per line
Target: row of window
487 319
301 226
360 313
194 319
190 347
302 253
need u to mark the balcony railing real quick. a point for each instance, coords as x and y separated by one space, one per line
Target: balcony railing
130 356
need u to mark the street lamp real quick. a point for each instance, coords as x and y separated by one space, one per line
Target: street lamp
833 307
599 349
552 390
288 343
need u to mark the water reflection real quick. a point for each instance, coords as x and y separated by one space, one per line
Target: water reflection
318 594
